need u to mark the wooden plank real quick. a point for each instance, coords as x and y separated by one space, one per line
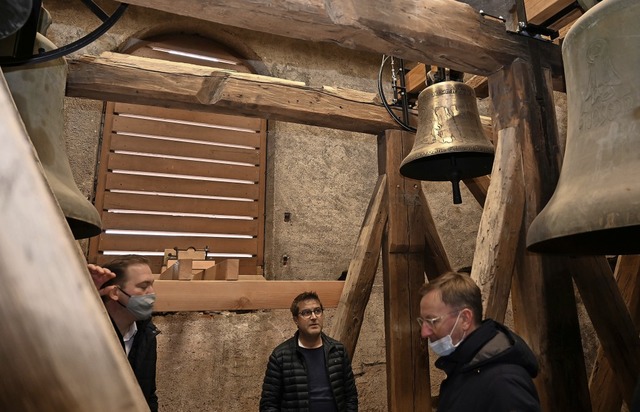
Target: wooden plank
159 243
612 322
180 186
206 295
603 385
217 119
184 205
500 226
123 124
148 164
445 33
361 274
541 288
56 354
186 149
182 223
140 80
408 382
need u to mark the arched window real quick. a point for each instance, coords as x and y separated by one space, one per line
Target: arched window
179 178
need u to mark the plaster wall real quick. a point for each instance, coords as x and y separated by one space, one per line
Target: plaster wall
323 177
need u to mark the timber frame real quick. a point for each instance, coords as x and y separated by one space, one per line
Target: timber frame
520 74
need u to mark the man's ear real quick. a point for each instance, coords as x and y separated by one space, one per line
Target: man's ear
466 315
113 292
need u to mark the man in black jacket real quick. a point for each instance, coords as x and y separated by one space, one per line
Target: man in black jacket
309 372
488 367
126 287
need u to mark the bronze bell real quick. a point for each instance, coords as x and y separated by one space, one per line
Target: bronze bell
38 93
450 143
595 208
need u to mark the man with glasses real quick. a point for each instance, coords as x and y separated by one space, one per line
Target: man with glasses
309 371
488 367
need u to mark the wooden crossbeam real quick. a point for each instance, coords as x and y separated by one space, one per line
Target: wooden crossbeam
141 80
207 295
445 33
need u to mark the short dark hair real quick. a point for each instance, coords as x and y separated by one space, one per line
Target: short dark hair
119 266
457 290
301 298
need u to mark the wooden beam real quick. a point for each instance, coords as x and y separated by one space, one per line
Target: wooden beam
445 33
204 295
500 226
58 347
603 385
362 270
141 80
478 186
408 382
541 288
436 260
612 321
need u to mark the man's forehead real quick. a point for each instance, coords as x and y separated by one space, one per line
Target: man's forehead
433 299
309 303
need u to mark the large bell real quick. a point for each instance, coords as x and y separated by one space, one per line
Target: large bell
38 92
450 144
596 205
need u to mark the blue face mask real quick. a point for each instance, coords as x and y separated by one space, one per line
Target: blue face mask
444 346
140 306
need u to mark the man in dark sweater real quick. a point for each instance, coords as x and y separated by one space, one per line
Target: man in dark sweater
126 287
488 367
309 372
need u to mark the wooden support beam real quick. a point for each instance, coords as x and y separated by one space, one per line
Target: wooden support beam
58 347
478 186
603 385
541 288
362 270
408 382
445 33
205 295
436 260
141 80
500 226
612 322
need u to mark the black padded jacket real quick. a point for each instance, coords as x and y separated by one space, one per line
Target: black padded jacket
285 385
491 371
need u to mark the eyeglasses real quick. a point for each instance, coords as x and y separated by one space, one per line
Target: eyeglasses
432 322
306 313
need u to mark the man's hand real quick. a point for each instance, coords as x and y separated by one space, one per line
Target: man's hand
100 276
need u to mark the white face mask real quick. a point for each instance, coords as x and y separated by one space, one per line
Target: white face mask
444 346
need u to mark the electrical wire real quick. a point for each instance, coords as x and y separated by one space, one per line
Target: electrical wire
395 117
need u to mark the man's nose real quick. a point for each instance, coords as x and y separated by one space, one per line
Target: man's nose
425 331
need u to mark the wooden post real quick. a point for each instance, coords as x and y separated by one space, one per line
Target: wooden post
408 382
58 349
543 300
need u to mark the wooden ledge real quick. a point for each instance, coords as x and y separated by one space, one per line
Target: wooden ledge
206 295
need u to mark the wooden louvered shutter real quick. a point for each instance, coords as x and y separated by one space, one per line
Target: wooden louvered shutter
176 178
